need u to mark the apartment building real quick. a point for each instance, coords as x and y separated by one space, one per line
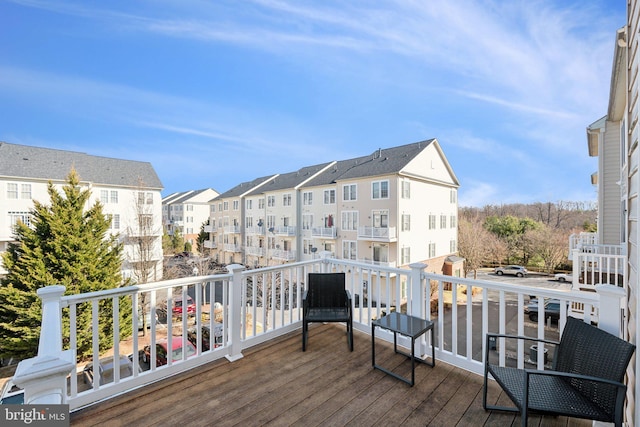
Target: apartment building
129 191
185 212
393 207
614 139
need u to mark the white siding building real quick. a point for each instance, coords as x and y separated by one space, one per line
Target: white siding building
393 207
186 211
129 191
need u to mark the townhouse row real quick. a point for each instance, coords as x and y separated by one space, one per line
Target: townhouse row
393 207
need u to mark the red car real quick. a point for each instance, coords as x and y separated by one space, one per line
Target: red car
178 306
161 351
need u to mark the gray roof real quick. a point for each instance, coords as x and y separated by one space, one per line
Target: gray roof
242 188
383 161
289 180
185 196
22 161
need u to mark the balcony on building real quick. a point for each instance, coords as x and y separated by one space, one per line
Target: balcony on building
208 228
377 234
254 251
231 229
324 232
257 373
284 230
259 230
210 244
231 247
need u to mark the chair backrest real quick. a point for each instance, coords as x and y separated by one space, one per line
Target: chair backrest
587 350
326 290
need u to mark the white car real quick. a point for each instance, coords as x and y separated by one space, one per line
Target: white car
563 277
514 270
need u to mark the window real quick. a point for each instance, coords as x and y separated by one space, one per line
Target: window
452 246
260 203
432 250
452 221
443 221
189 219
380 253
286 199
329 197
406 189
149 197
23 217
145 198
432 222
271 201
406 255
236 205
406 222
25 191
219 207
307 245
271 221
145 221
115 221
349 192
349 250
12 190
104 196
225 206
189 208
380 219
380 190
350 220
307 198
452 195
114 196
248 221
307 221
249 204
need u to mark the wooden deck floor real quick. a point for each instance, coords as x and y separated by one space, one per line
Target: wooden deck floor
277 384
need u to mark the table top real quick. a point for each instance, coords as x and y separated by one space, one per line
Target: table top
404 324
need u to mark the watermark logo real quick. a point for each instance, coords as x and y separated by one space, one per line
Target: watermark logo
34 415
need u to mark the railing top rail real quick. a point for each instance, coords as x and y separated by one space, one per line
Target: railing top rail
127 290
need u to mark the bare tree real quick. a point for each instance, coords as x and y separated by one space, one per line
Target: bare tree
143 237
550 245
472 245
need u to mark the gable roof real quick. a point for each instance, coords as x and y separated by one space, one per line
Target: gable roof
23 161
289 180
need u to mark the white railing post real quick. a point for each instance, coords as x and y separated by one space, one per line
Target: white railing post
44 377
324 258
575 274
612 302
417 293
236 322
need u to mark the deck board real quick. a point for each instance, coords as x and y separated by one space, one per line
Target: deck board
276 384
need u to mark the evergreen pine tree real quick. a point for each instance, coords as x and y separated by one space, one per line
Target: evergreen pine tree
66 244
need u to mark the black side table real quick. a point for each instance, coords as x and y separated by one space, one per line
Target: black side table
409 326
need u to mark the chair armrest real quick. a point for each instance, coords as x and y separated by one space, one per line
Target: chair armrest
305 303
348 298
529 372
520 337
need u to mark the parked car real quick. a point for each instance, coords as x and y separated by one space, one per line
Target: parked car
162 350
563 277
192 336
107 366
11 394
178 306
551 309
514 270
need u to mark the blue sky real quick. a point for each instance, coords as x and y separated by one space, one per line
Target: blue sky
214 93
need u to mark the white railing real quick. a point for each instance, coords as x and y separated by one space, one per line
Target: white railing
254 306
230 247
285 230
208 228
254 251
377 233
254 230
232 229
282 254
327 232
210 244
602 264
380 263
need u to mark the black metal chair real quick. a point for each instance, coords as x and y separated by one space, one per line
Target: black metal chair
326 300
585 381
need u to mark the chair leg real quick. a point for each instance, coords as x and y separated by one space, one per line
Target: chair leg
304 336
350 332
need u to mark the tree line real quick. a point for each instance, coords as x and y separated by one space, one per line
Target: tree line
534 235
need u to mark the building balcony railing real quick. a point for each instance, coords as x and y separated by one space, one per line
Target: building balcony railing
255 230
377 263
282 254
231 229
208 229
325 232
463 311
284 230
210 244
378 234
254 251
230 247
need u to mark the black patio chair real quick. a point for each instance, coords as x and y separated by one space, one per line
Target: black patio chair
326 300
585 381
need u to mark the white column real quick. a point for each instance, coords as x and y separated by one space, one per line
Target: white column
236 322
612 301
44 377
